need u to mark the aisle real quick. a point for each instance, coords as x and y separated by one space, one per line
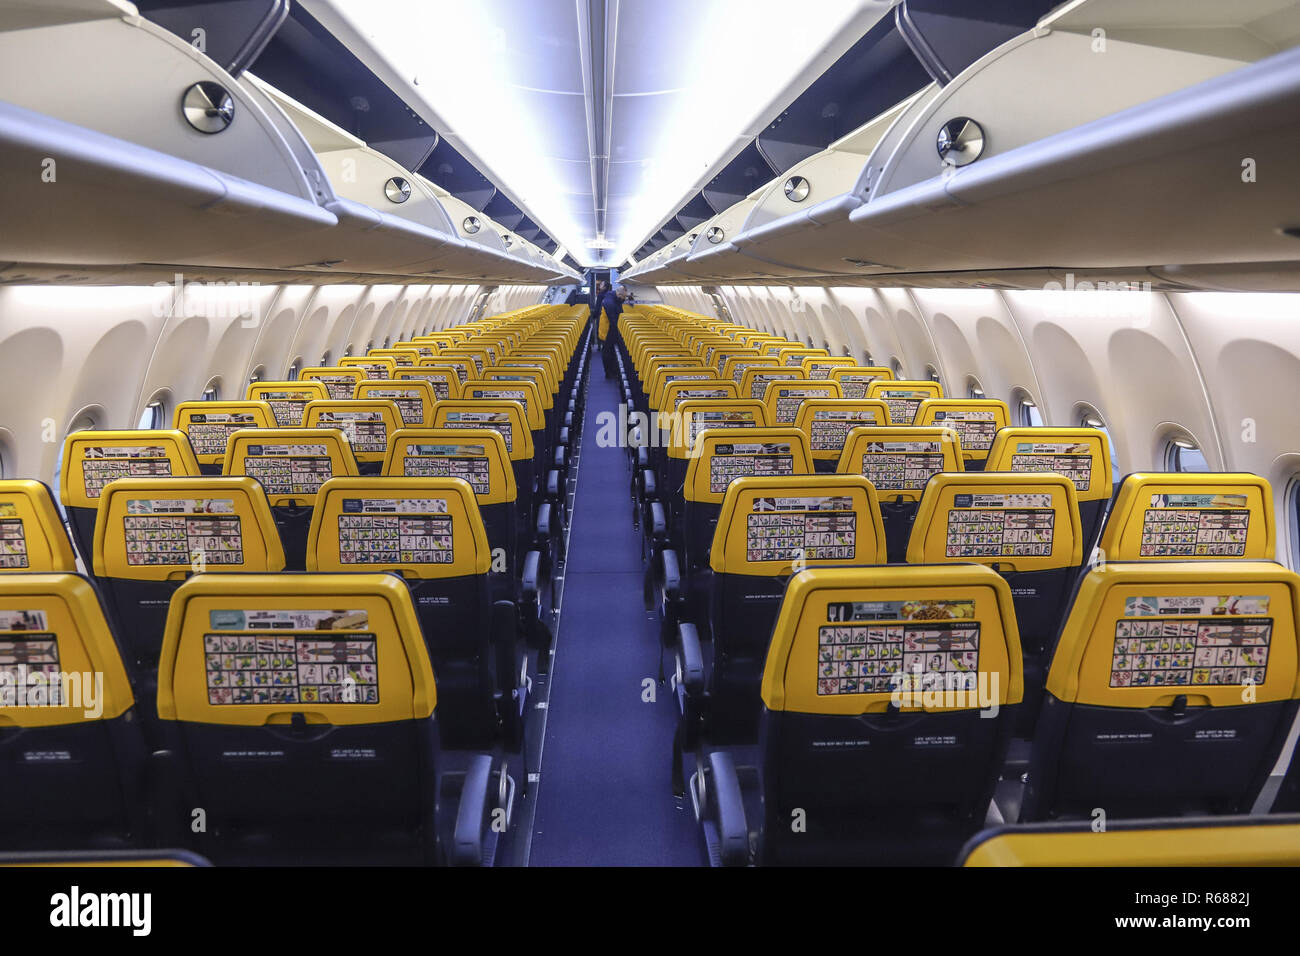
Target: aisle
604 795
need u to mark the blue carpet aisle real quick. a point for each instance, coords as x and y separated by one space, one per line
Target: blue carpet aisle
604 796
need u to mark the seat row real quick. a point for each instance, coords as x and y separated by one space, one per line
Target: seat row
297 720
795 700
193 671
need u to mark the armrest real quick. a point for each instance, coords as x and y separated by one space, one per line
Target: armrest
643 456
733 834
165 806
568 419
528 579
688 641
505 633
509 682
558 461
649 486
553 483
564 434
672 576
658 521
544 520
472 814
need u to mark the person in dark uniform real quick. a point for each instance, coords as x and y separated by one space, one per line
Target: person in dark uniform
575 297
612 306
597 296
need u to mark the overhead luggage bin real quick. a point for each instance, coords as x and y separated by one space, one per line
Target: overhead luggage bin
821 189
518 249
390 220
1142 105
216 173
656 264
482 238
714 244
136 181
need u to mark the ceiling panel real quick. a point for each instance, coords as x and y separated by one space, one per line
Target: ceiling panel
690 83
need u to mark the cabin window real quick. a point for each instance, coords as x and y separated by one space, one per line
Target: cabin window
896 365
932 374
1027 412
294 368
973 388
213 392
1293 501
154 414
347 351
325 358
81 423
259 373
1184 454
1092 419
